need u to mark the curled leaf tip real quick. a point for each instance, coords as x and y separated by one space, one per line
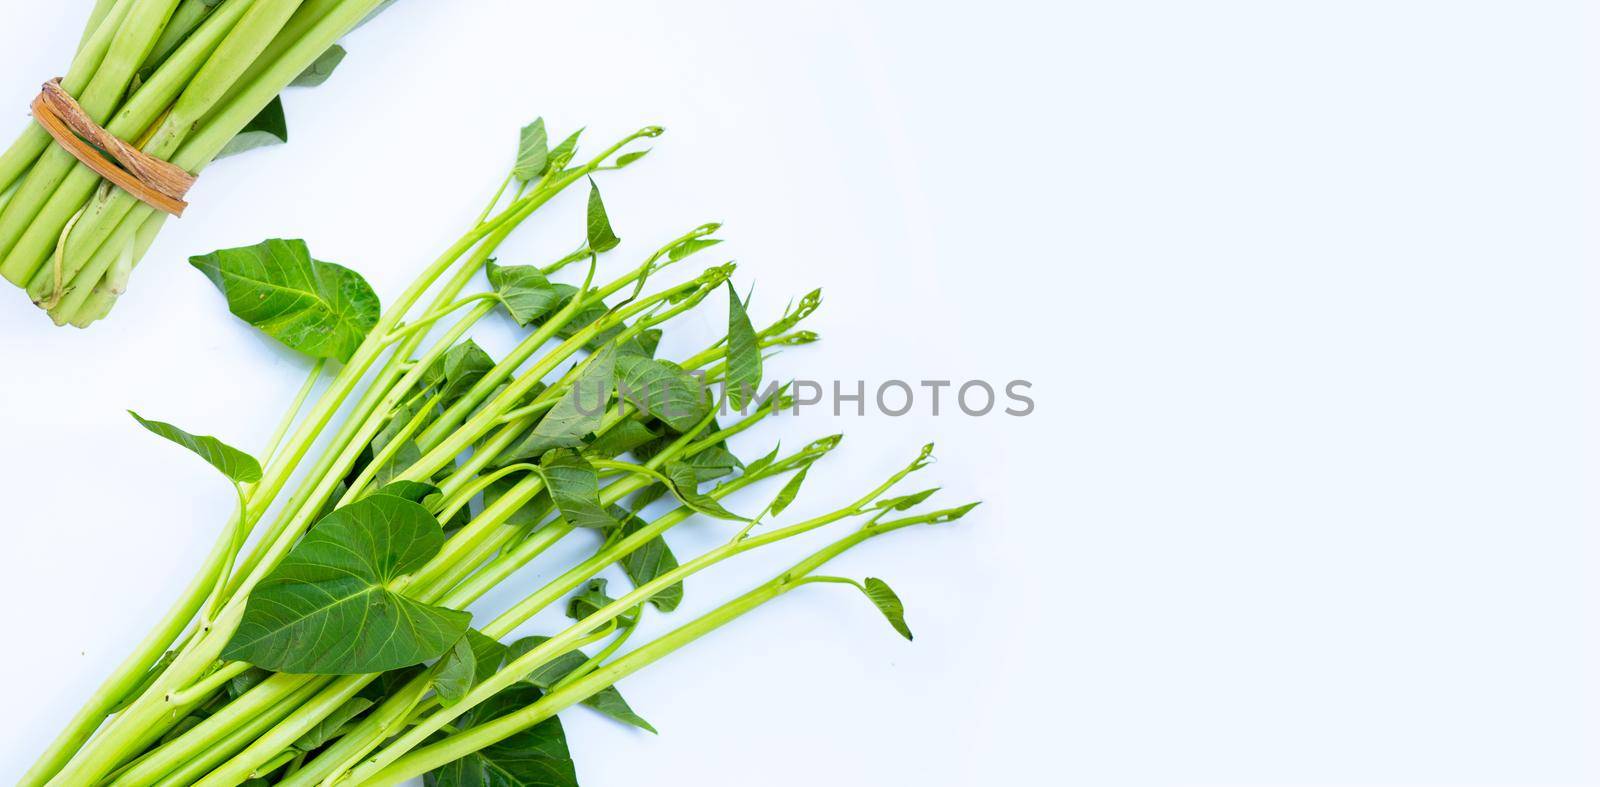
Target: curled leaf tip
714 277
707 228
652 131
826 443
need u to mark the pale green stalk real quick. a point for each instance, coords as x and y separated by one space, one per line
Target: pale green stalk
200 147
33 249
26 149
566 641
397 762
188 77
131 44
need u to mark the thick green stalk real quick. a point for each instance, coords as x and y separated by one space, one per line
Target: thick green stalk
106 751
105 754
283 735
433 589
200 147
187 17
33 249
127 676
81 311
97 14
525 349
399 762
26 149
396 761
129 48
189 772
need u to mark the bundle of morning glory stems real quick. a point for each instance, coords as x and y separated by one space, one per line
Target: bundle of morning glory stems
326 639
184 81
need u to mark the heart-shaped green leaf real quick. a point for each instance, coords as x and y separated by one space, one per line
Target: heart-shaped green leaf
327 608
319 308
525 292
575 487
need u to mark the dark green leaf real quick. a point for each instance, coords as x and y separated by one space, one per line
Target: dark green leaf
686 486
238 466
453 676
646 342
712 463
578 412
329 726
327 609
269 127
535 757
487 653
461 367
319 308
391 682
320 69
661 389
591 599
247 680
575 488
619 439
649 561
526 293
533 152
743 379
415 491
601 238
404 457
530 514
648 495
608 701
888 603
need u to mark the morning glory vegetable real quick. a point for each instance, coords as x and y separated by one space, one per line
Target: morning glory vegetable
185 81
341 631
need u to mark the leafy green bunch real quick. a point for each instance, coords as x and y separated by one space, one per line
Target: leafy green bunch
337 633
186 81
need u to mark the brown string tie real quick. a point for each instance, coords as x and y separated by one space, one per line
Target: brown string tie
159 184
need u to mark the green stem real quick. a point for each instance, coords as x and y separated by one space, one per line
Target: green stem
24 152
128 675
398 762
129 47
177 78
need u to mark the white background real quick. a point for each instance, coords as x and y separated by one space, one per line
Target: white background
1302 288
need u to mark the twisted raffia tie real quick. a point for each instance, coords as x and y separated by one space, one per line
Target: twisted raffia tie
160 184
